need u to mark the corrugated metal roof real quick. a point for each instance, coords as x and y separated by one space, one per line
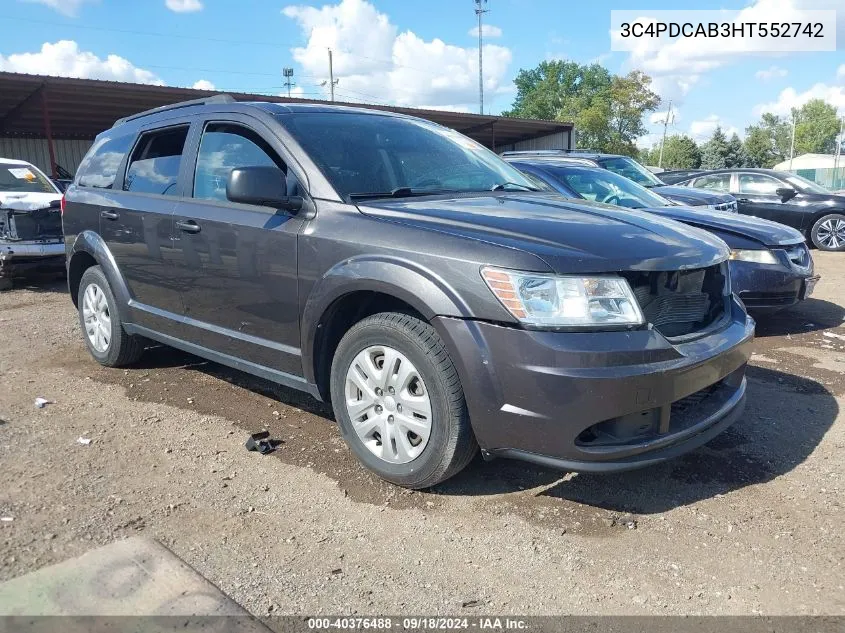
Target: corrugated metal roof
81 108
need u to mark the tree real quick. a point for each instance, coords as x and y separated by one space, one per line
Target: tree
759 147
607 110
735 156
679 152
714 153
816 127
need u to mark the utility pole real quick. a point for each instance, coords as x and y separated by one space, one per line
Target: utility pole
479 11
332 81
288 74
839 141
792 142
663 142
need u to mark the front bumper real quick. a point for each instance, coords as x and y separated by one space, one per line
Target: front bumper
766 288
20 258
598 401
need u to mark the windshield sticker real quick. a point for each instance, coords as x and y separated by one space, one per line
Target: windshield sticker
22 173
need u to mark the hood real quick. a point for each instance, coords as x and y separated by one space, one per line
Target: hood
765 232
693 197
27 201
571 237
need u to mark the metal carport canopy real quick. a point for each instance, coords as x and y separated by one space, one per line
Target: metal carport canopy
61 107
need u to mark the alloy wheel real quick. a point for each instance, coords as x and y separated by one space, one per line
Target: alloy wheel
831 233
95 313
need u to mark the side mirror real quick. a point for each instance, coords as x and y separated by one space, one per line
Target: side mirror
786 193
263 186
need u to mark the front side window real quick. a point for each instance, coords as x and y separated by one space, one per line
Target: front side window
631 169
224 147
714 182
24 179
371 154
99 167
154 165
758 183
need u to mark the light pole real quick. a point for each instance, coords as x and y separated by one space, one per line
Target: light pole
479 11
792 142
288 74
663 142
332 80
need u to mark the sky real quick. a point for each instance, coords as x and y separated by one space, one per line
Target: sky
417 54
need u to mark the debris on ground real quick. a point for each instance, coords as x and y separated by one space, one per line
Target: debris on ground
42 402
262 443
85 441
7 519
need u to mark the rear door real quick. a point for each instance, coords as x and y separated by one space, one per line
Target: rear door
238 262
136 223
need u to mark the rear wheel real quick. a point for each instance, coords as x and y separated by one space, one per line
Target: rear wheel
102 329
399 402
828 233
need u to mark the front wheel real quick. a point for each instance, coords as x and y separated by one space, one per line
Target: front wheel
828 233
399 402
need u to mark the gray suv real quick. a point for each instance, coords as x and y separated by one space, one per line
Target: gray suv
411 277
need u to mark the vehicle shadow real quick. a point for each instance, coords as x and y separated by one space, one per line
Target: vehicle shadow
785 419
47 283
809 316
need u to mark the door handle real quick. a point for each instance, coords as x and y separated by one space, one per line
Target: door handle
109 215
188 226
743 200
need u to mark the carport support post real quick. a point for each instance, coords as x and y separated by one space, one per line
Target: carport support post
48 132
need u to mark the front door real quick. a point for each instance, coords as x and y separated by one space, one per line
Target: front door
756 195
239 261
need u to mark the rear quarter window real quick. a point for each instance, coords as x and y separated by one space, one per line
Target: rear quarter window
99 167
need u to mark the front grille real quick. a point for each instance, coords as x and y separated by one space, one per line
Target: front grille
678 303
798 255
729 207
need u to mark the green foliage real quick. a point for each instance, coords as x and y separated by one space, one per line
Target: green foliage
679 152
715 153
607 110
735 156
816 128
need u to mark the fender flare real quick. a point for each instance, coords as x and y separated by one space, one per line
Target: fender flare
426 292
91 243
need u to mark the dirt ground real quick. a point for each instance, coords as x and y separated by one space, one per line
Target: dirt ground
750 524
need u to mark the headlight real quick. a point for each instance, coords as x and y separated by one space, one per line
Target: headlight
758 257
564 300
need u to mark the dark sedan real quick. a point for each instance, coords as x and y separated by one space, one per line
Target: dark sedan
631 169
771 267
783 197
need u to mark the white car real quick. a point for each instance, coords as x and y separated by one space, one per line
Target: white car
31 238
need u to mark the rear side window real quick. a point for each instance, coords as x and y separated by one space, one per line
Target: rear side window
714 182
154 164
99 167
758 183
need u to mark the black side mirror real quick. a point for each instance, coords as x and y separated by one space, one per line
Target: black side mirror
263 186
786 193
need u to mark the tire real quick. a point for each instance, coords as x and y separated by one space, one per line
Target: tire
118 349
428 376
828 233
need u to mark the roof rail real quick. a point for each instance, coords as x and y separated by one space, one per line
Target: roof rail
219 98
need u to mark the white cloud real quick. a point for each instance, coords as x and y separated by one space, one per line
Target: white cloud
487 30
204 84
648 141
65 7
791 98
183 6
772 72
841 72
679 66
701 130
658 118
392 67
66 60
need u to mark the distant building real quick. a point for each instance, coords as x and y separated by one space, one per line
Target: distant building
820 168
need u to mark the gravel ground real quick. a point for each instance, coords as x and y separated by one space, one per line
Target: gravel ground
749 524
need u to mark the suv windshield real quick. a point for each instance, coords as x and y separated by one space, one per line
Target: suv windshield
601 185
23 179
630 168
366 155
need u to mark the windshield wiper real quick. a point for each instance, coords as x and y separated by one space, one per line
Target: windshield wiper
503 185
399 192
